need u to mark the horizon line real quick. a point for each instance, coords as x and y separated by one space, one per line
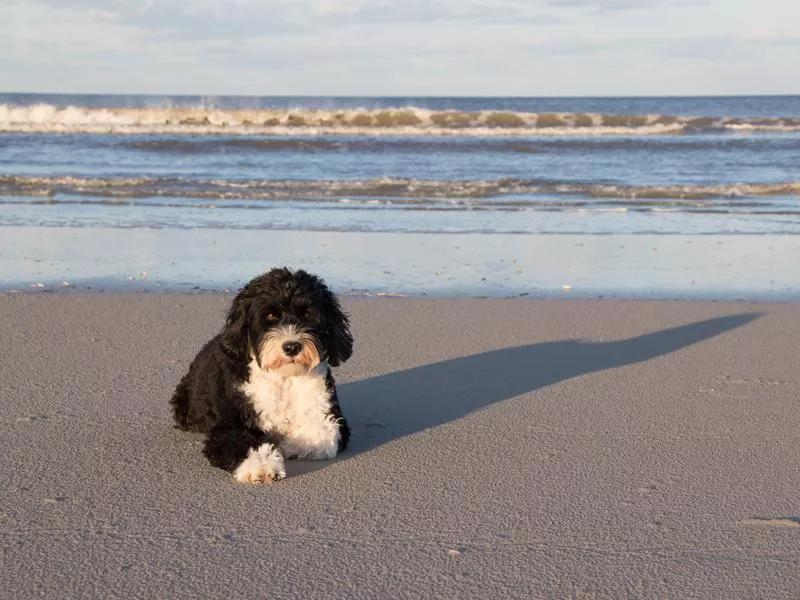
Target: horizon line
385 96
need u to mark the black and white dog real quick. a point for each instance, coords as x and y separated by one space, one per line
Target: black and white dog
262 389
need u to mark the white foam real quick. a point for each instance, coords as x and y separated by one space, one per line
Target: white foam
406 121
379 191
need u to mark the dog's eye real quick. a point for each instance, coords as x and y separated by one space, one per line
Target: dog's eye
306 314
272 317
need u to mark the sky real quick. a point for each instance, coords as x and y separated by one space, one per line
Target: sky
401 47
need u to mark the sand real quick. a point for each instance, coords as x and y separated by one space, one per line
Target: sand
502 448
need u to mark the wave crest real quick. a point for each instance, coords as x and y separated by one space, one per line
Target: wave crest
494 192
47 118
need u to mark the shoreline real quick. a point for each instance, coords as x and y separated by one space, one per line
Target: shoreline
622 266
93 289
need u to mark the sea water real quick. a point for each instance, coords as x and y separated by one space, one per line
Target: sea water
546 172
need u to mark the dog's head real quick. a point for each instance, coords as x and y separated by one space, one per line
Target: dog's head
289 321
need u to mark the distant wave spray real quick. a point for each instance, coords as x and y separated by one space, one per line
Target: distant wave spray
47 118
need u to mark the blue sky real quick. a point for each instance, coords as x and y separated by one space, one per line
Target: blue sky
401 47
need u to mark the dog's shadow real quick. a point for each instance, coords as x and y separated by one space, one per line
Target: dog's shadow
391 406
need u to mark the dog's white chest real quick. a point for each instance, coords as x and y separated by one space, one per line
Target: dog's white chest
289 406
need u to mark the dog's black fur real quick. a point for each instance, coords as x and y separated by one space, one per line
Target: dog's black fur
208 399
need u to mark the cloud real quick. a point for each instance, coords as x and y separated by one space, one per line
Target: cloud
437 11
620 5
217 31
240 19
731 50
37 29
392 46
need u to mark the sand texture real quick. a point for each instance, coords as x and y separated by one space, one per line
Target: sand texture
501 449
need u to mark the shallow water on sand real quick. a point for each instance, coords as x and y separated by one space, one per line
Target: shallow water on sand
391 264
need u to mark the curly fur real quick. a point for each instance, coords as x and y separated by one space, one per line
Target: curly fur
262 389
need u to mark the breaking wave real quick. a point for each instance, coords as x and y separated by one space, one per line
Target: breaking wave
494 194
47 118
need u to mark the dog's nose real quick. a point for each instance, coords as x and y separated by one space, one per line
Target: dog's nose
292 348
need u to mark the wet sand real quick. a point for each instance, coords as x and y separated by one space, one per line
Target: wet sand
730 267
501 448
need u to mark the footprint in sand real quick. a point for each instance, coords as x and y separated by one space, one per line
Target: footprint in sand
30 418
781 522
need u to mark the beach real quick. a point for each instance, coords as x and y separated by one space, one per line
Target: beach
575 368
515 448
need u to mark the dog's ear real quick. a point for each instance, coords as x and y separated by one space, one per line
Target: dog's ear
340 340
235 336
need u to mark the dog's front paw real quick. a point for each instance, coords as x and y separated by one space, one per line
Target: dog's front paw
262 465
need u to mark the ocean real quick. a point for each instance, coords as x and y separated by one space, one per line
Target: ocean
527 169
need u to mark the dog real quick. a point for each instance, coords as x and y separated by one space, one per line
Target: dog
262 390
